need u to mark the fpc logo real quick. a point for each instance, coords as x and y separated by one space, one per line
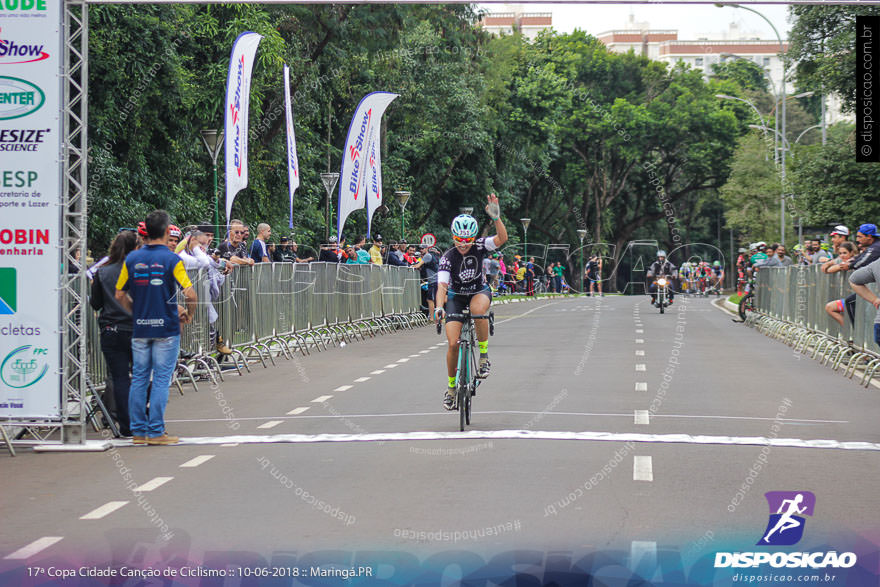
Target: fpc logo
786 524
8 287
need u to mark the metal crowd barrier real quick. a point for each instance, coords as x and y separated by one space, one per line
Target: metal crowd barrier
790 306
274 309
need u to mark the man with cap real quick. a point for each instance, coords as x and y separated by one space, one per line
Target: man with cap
376 250
173 237
839 235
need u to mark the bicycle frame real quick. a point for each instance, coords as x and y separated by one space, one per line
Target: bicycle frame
466 381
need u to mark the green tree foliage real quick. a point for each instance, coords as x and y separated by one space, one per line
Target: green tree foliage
823 44
565 131
831 187
751 195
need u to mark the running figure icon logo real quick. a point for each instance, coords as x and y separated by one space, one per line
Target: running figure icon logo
786 524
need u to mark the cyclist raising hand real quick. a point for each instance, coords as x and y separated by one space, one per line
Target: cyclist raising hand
462 284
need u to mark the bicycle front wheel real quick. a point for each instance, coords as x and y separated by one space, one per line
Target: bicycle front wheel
461 387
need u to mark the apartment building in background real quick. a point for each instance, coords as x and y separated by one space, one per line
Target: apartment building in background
512 17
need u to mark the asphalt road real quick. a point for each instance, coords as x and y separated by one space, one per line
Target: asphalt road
604 427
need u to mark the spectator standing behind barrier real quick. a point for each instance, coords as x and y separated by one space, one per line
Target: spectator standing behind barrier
195 257
859 280
234 249
116 325
772 258
360 248
869 246
784 259
376 250
558 272
395 257
147 287
494 271
329 252
428 266
835 308
259 250
530 277
295 250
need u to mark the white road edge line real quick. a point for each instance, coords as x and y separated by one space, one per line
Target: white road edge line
195 462
643 468
37 546
105 510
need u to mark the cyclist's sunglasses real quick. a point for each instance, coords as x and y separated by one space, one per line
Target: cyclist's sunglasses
464 240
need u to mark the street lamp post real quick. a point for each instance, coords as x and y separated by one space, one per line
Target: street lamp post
782 92
525 225
329 180
402 199
582 234
213 140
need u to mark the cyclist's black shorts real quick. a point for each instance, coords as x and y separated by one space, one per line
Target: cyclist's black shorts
456 302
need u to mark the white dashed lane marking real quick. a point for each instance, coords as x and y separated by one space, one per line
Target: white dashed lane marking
37 546
641 417
270 424
640 367
640 353
643 469
425 351
321 399
153 484
413 356
297 411
343 388
391 366
642 386
640 341
105 510
199 460
377 372
361 379
639 331
404 360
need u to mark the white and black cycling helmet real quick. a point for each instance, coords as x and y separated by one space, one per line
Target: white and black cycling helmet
465 226
661 253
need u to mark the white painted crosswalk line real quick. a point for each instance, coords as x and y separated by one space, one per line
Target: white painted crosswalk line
35 547
321 399
642 386
343 388
153 484
297 411
643 469
269 424
199 460
641 417
105 510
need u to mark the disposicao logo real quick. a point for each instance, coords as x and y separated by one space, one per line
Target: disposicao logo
786 528
19 98
786 524
8 287
12 53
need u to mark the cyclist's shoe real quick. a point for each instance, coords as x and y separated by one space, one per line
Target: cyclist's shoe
449 398
484 366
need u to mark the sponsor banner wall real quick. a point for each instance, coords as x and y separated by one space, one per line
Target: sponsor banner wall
31 59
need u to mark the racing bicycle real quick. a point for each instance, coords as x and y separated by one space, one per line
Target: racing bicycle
466 378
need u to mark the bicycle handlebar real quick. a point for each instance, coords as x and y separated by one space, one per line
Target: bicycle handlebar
473 317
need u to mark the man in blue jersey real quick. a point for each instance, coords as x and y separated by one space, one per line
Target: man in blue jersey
147 287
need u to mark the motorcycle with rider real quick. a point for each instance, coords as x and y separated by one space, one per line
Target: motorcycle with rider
660 275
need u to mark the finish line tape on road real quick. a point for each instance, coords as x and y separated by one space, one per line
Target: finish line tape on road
529 435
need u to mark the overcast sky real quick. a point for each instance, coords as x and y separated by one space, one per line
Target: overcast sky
692 21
